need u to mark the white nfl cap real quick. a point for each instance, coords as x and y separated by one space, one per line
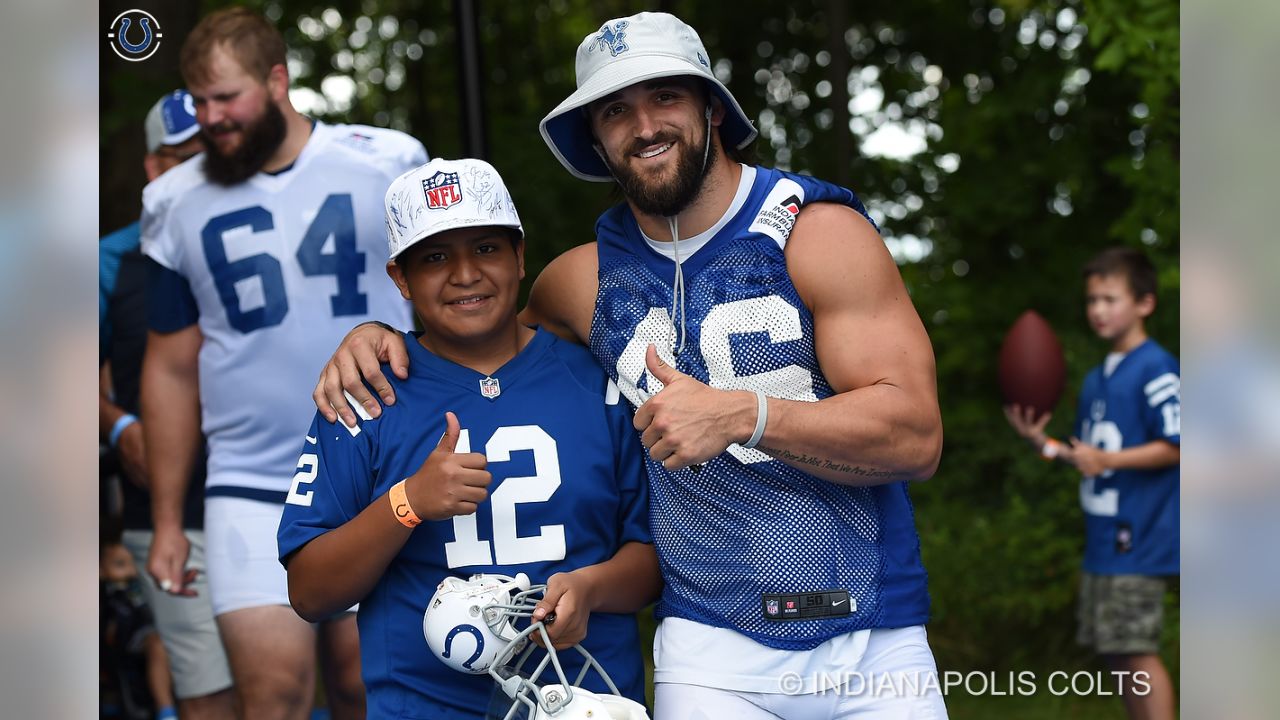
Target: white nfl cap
171 121
446 195
625 51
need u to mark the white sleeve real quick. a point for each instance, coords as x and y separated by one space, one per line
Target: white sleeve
157 234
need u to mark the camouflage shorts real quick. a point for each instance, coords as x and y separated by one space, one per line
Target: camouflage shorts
1121 614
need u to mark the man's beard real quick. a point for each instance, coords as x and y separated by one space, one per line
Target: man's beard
258 143
667 199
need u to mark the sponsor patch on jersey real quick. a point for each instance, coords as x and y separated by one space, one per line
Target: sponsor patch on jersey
358 141
778 211
442 190
808 606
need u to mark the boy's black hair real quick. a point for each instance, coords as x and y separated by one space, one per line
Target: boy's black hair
1130 263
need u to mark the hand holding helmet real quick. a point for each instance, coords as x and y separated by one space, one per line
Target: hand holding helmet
565 609
470 626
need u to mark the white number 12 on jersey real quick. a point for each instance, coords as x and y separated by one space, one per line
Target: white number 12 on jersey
508 546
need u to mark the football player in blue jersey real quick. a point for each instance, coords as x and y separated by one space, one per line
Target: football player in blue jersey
261 248
784 384
1129 418
507 452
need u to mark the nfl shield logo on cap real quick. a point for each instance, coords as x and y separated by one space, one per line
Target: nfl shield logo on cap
442 190
445 195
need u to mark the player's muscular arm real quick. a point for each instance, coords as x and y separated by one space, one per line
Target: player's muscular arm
883 425
563 297
339 568
171 426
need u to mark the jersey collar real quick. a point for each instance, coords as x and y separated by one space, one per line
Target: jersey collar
426 365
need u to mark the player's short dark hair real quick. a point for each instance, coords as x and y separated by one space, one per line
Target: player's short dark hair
247 36
1131 264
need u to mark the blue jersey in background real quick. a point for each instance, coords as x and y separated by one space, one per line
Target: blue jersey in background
1131 516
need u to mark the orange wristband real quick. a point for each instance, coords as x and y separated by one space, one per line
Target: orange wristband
401 508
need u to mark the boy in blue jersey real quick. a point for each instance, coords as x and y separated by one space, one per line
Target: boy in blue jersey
1127 452
507 452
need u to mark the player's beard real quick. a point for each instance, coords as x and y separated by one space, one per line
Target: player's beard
258 143
656 197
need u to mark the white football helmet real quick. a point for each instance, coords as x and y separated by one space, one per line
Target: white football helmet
470 626
562 700
469 622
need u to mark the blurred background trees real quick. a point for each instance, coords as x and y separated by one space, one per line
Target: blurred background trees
999 143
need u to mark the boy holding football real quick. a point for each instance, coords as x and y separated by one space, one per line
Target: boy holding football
1127 452
506 452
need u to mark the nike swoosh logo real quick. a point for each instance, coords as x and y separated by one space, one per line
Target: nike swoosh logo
311 440
837 602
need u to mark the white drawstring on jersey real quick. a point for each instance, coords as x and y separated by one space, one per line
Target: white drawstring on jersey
677 287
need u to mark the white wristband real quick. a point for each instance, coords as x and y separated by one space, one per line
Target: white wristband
762 417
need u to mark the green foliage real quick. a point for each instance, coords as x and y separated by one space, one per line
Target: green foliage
1052 132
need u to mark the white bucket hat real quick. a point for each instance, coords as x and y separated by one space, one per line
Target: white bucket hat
446 195
623 52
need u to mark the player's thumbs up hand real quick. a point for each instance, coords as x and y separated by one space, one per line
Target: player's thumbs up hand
686 422
449 483
659 369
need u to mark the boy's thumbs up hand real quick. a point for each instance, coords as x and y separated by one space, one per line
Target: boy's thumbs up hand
449 483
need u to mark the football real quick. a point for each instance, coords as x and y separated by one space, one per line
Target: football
1033 370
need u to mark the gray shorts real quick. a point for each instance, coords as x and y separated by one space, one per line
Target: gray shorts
186 625
1121 614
